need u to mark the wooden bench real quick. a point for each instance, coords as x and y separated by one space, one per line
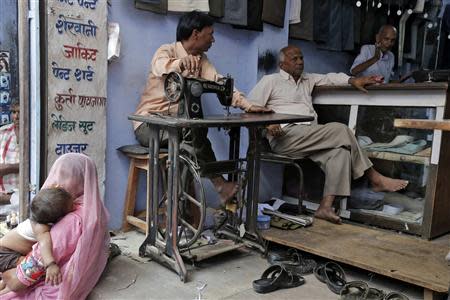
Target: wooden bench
138 156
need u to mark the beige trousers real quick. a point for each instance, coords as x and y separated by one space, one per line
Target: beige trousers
332 146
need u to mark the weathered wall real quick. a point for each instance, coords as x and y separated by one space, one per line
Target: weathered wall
8 42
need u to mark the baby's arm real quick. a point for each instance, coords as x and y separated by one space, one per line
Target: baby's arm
42 232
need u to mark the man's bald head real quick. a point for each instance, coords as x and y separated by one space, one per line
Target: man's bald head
386 37
291 61
386 29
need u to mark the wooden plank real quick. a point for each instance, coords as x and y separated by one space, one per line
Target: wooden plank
137 222
422 124
207 251
397 256
422 160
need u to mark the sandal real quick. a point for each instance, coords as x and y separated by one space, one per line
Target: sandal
375 294
335 277
332 274
292 261
395 296
354 290
276 277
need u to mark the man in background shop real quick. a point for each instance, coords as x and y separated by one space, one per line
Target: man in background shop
332 146
195 35
9 156
377 59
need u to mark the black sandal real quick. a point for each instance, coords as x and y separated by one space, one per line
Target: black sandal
292 261
354 290
395 296
335 277
276 277
332 274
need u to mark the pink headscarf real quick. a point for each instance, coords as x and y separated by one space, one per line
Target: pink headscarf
80 239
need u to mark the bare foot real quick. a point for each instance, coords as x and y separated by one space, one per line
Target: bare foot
328 214
387 184
227 191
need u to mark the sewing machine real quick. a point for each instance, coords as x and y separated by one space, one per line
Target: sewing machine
187 91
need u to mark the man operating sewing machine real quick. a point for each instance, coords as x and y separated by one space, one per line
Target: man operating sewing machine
187 56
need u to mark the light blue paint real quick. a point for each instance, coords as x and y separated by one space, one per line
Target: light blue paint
141 32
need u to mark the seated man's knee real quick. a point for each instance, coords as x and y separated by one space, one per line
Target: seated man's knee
338 127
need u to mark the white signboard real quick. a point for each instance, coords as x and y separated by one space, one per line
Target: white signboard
76 80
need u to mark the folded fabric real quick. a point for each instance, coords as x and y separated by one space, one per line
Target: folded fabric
235 12
364 141
274 12
399 140
157 6
410 204
280 223
216 8
409 148
187 5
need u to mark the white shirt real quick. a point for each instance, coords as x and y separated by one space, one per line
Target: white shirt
382 67
282 94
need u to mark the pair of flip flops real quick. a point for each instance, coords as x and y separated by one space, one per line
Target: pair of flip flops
277 277
292 261
332 274
356 290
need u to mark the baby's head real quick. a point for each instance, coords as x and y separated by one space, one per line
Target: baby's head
50 205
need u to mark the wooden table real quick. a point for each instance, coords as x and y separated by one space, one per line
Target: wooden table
168 252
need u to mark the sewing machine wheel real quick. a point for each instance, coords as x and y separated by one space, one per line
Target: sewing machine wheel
191 205
174 86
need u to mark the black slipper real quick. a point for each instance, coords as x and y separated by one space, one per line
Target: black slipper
395 296
375 294
354 290
319 273
334 276
292 261
276 277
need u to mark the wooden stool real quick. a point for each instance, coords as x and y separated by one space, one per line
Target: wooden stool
138 156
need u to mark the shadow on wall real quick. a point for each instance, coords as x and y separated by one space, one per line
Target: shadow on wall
267 63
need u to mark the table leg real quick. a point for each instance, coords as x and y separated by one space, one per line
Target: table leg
255 134
152 191
172 203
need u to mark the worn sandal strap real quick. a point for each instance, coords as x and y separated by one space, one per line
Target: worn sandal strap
334 276
354 290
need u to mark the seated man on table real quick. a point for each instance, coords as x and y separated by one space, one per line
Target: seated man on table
377 59
333 146
187 56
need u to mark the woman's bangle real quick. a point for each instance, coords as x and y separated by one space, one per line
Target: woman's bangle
51 263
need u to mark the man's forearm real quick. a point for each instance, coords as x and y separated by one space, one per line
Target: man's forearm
6 169
363 66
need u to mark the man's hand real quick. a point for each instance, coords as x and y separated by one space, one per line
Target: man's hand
275 130
361 82
378 52
53 275
258 109
190 63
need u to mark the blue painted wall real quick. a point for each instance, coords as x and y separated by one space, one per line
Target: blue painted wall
234 52
8 42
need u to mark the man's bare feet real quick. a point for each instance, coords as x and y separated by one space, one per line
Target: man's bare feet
387 184
381 183
328 214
